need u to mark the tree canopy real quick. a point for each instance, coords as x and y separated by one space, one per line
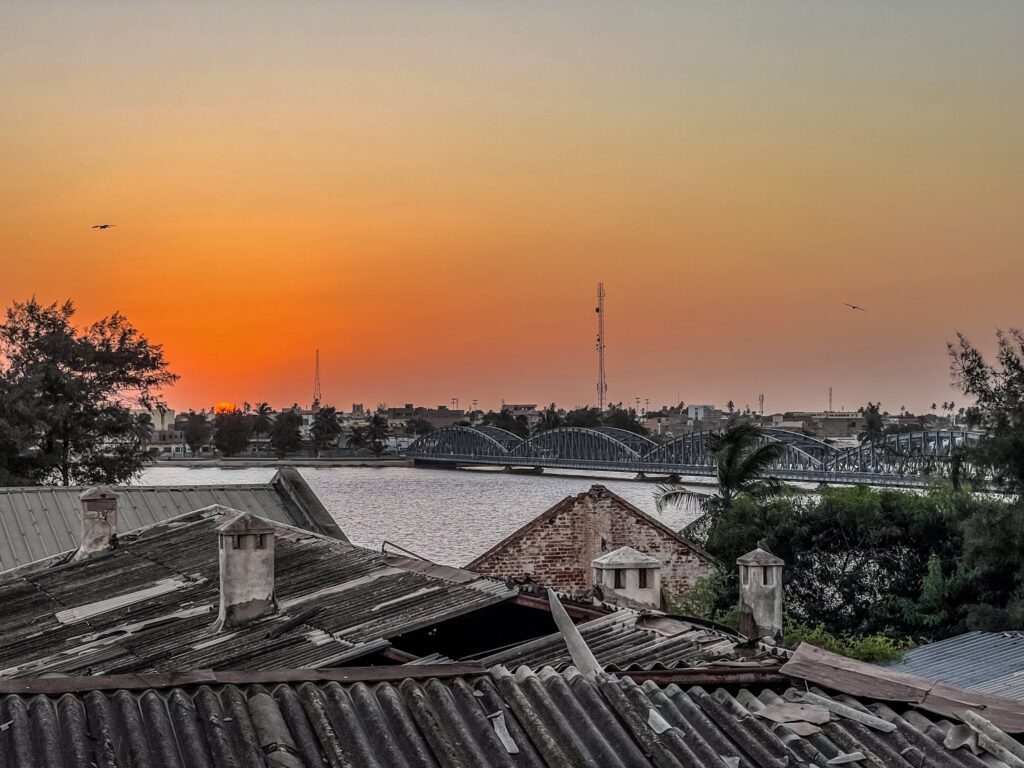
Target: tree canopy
67 395
285 433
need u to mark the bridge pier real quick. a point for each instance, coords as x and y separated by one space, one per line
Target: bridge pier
509 469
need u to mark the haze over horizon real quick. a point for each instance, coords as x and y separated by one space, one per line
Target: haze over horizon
429 194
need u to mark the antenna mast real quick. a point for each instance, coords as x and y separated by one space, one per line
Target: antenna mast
602 385
316 383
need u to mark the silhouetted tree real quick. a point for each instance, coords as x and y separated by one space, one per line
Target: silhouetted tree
623 418
998 392
231 432
69 393
326 428
263 419
197 432
549 419
874 427
377 432
286 433
585 416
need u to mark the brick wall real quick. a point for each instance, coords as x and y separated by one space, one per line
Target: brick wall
556 550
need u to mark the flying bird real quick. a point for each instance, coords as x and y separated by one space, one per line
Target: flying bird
103 226
855 307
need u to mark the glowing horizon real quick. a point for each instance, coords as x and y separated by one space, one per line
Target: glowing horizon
430 193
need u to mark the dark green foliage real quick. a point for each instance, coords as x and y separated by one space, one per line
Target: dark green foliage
197 431
549 419
67 394
742 459
262 419
861 561
231 432
517 425
418 427
874 427
998 392
623 418
377 433
285 434
326 428
586 416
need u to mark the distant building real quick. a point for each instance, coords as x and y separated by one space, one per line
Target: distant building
559 548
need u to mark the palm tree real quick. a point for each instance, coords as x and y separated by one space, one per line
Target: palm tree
549 419
142 430
326 428
357 440
743 455
377 432
262 419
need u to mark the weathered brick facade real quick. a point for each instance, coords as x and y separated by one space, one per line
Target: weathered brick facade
556 549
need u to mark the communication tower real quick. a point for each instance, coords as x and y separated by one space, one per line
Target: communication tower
316 383
602 385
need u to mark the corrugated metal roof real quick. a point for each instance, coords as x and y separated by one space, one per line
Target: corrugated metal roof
149 605
501 718
39 522
630 640
989 662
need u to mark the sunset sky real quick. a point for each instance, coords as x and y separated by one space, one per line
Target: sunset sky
429 193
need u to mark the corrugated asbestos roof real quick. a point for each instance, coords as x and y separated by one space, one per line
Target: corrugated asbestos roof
629 640
989 662
499 718
149 604
39 522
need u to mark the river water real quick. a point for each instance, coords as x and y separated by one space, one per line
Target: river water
447 516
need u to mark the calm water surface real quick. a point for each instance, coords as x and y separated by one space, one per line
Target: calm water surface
447 516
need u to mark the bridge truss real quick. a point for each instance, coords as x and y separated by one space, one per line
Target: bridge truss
909 459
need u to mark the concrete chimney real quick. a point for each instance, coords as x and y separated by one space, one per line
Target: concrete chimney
761 595
246 571
632 574
99 521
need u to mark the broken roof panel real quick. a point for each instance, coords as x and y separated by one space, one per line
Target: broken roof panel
628 640
42 521
419 717
149 605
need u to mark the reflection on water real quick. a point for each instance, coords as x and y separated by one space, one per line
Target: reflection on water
447 516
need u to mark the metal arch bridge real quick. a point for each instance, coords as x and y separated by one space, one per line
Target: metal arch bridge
909 459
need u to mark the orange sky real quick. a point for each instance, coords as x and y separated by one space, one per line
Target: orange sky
429 193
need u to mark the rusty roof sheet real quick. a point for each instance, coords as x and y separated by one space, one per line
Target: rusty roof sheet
42 521
423 718
629 640
149 605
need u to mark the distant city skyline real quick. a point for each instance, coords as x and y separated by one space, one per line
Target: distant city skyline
430 193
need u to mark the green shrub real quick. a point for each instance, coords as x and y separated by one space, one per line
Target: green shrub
872 648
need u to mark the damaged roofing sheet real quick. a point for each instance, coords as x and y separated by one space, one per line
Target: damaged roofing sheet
628 640
149 605
404 717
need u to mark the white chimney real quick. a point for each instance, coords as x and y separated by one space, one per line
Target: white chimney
246 571
632 574
761 595
99 521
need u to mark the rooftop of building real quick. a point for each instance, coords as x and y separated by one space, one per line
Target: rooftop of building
632 640
419 717
149 604
597 492
989 662
42 521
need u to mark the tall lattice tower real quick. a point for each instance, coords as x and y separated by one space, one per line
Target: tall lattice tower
602 384
316 383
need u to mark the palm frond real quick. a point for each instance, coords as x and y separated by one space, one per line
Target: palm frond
673 496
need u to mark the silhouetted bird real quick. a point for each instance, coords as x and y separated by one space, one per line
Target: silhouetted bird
854 306
103 226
